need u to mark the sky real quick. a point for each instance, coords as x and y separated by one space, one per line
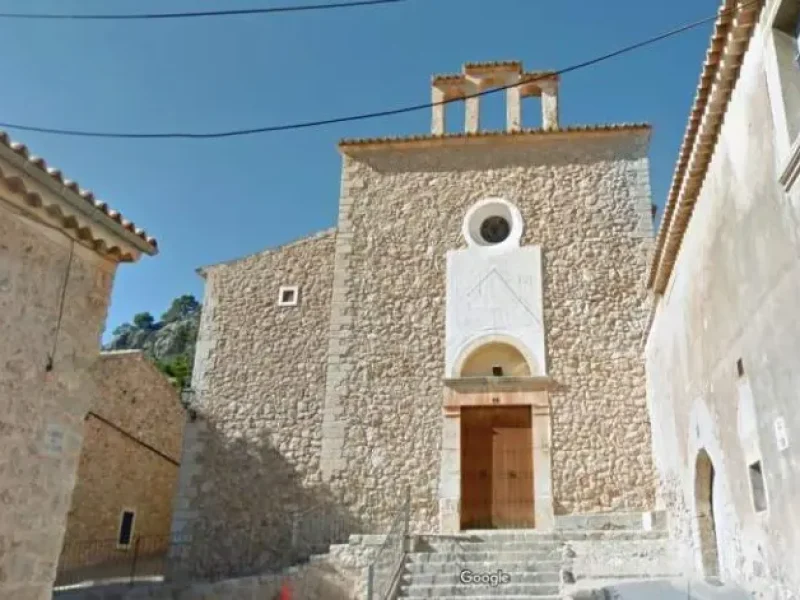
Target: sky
208 201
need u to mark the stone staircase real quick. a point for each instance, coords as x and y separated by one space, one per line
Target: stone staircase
507 564
516 564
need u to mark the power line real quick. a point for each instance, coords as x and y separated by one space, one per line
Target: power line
371 115
133 438
196 14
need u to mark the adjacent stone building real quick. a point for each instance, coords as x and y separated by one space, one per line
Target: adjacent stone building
59 250
128 470
724 343
470 331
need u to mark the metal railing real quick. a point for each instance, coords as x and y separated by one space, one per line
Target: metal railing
384 572
208 551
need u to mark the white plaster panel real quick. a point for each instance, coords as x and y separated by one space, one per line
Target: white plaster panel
494 294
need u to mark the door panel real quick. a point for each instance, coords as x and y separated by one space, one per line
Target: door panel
512 499
496 468
476 469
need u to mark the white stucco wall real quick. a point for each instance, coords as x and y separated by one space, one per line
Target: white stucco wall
733 296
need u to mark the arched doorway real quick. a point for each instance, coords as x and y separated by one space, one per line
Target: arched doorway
497 489
704 508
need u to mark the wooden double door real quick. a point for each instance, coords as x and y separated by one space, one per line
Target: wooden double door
496 468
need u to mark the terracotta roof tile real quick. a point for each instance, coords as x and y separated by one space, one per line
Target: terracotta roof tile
732 31
352 143
511 64
87 195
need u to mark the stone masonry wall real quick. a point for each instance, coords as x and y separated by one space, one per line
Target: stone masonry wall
585 199
116 473
251 458
41 420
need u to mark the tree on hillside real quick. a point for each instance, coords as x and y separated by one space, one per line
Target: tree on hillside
169 342
144 320
182 307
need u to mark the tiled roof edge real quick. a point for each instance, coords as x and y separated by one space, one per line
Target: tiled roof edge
81 195
605 128
733 30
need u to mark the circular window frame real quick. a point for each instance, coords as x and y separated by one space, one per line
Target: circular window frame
486 209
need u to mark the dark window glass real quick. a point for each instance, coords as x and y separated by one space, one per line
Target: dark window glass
126 528
495 229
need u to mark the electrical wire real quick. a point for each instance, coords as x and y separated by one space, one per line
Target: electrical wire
365 116
196 14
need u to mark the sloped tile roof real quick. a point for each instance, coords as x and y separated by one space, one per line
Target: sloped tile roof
89 197
733 29
346 144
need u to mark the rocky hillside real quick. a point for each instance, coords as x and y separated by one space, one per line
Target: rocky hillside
169 342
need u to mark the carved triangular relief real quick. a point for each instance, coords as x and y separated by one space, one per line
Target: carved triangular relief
509 304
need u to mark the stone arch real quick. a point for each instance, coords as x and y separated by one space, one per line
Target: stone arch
478 356
704 485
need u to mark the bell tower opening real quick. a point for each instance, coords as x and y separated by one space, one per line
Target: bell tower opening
513 85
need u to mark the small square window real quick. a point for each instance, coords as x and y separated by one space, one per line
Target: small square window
125 535
288 295
757 487
740 368
497 371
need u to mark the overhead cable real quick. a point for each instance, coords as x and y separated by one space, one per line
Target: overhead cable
362 116
195 14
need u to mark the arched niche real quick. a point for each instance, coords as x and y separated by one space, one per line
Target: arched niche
478 358
486 359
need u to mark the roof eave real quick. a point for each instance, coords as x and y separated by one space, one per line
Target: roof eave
77 203
355 146
702 132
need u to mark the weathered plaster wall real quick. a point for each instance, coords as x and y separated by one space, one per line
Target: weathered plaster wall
585 200
251 458
115 472
733 295
41 412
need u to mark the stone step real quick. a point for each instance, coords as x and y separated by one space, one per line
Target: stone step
520 566
610 520
461 590
492 535
452 577
459 556
487 546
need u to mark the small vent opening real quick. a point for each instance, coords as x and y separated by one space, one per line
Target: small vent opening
758 488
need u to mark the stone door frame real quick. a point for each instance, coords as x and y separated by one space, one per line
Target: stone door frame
495 392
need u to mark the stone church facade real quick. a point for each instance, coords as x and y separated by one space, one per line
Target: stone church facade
470 330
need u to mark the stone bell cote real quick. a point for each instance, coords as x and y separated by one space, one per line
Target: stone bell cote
478 77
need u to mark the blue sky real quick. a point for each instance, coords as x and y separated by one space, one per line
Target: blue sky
213 200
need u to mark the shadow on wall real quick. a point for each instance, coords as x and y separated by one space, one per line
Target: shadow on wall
250 510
